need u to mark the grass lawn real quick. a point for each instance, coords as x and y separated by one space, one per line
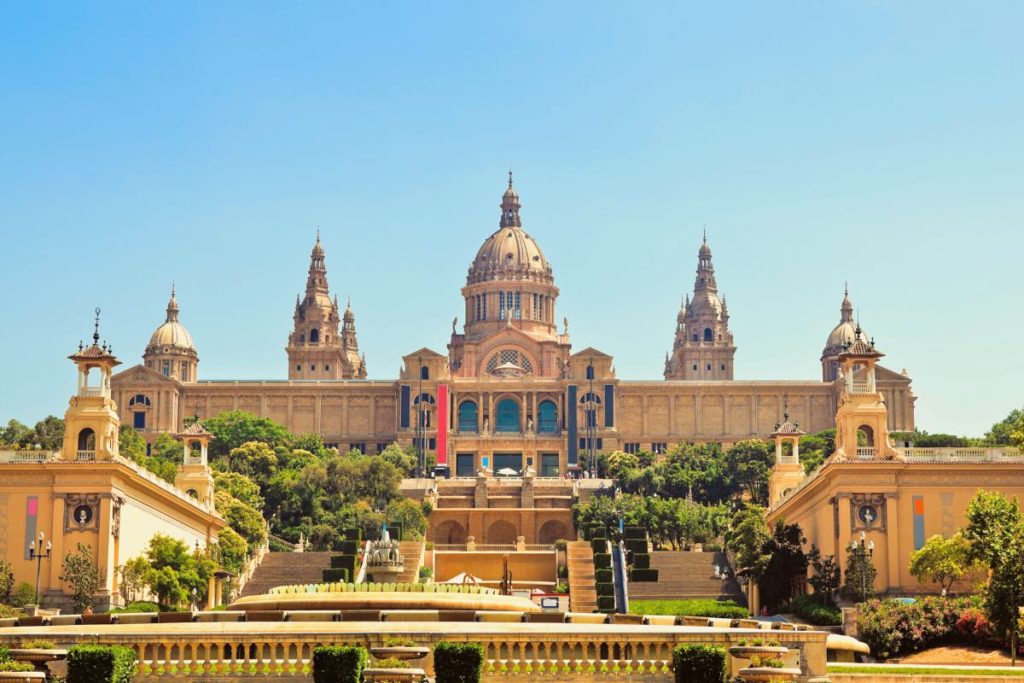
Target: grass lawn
922 671
690 608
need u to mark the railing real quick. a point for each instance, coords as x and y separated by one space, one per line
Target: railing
252 565
865 452
861 388
29 455
170 488
86 456
194 460
965 454
487 547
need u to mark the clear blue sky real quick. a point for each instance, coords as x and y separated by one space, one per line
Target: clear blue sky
874 142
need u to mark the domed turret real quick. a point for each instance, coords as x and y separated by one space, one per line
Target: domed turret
171 351
510 282
841 335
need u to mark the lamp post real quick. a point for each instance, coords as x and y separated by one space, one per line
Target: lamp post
591 421
867 552
39 555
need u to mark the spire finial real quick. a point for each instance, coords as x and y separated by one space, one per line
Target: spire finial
846 288
705 233
96 329
318 234
510 176
172 289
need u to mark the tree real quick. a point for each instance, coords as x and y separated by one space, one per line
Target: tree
786 571
132 578
174 573
409 513
620 462
311 443
16 434
402 458
254 459
233 428
49 433
826 577
995 531
941 560
80 571
6 580
747 537
131 445
246 521
748 464
1009 431
232 549
240 487
860 573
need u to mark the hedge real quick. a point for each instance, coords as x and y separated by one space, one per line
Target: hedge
605 603
343 561
599 545
641 561
597 532
699 664
603 575
349 547
100 664
339 664
335 575
637 545
892 628
636 532
810 609
603 560
643 575
604 588
353 534
458 662
703 607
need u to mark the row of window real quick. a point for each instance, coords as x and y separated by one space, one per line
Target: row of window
167 369
512 301
312 367
506 464
314 337
634 447
708 335
709 366
508 414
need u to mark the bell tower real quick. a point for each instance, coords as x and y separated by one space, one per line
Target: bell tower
787 472
194 477
91 423
862 420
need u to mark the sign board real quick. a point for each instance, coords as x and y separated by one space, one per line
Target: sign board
550 603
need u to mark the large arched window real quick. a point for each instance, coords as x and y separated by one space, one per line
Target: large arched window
508 416
547 414
708 334
424 372
314 336
467 417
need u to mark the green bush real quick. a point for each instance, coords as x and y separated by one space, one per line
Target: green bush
39 645
892 628
349 547
599 545
23 594
605 603
643 575
602 560
632 532
598 532
811 610
100 664
137 608
17 667
335 576
604 588
603 575
636 545
641 561
719 609
339 664
458 662
699 664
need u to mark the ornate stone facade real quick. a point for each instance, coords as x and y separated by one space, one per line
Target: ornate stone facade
510 393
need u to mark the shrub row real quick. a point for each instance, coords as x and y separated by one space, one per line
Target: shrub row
699 664
339 664
337 587
636 545
458 662
810 609
641 561
100 664
892 628
603 575
603 560
453 662
335 575
635 532
605 587
719 609
605 603
643 575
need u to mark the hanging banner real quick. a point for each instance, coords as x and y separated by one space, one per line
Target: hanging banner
442 424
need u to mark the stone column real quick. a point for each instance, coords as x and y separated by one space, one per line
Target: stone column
843 542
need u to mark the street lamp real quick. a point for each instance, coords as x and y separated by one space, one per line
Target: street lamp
867 552
591 421
38 556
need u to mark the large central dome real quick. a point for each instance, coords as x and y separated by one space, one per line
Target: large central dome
510 253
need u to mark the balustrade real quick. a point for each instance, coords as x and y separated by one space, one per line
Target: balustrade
86 456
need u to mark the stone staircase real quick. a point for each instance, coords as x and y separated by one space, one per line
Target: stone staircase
412 552
686 575
582 592
283 569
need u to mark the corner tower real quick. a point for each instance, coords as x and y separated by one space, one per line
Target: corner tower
841 336
703 347
315 348
91 423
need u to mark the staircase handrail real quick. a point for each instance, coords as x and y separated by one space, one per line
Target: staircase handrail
621 577
288 544
361 574
252 564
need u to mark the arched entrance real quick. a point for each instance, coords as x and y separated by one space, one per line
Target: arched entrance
551 531
450 531
87 440
865 437
467 417
501 533
547 414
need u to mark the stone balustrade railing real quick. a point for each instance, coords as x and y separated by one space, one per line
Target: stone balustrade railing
211 651
27 455
252 564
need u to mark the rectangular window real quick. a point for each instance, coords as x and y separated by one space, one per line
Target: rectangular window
484 297
298 368
381 447
184 372
139 421
312 368
501 305
327 368
167 368
631 447
361 447
549 465
432 444
659 448
517 309
464 465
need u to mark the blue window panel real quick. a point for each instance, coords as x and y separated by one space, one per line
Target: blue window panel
404 413
139 420
547 422
508 416
468 417
573 453
609 405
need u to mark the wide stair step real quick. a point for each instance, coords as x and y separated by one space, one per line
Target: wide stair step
412 554
284 569
582 591
686 575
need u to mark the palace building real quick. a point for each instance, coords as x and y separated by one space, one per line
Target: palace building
509 393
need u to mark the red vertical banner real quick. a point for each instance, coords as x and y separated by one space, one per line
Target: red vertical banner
442 424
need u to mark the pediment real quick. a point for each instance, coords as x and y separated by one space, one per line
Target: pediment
424 352
140 374
590 352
